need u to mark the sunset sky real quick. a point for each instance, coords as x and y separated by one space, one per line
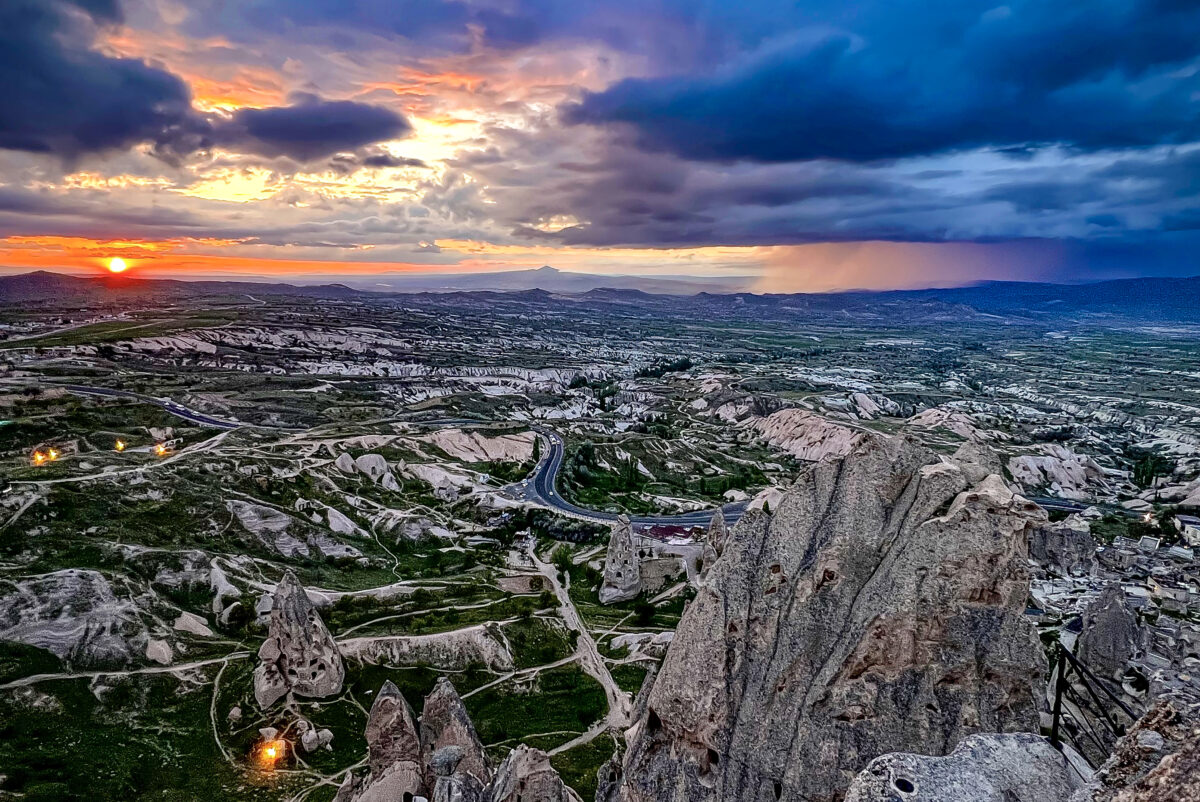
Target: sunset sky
807 145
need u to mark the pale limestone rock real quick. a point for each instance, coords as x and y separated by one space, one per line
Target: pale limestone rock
853 621
622 567
525 776
444 723
76 615
159 651
193 625
977 461
373 465
345 463
299 655
983 768
804 434
1059 471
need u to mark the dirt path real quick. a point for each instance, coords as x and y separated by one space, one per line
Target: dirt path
620 705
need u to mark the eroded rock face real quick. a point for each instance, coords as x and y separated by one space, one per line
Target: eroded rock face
856 620
718 532
445 723
983 768
75 614
1066 548
622 568
393 748
299 655
1158 760
977 461
526 775
1111 635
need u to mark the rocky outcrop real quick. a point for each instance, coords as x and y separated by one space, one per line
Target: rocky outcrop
1158 760
718 531
977 461
445 723
806 435
451 785
879 609
714 541
1066 548
393 753
449 651
393 747
1175 779
442 759
526 775
299 655
622 566
1059 471
74 614
1111 636
983 768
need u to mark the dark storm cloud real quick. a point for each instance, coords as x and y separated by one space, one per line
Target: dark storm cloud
309 129
924 78
59 97
347 163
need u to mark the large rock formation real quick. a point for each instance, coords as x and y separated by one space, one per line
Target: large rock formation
1066 548
299 655
393 752
451 785
718 531
714 541
75 614
1158 759
983 768
444 723
526 775
880 609
622 566
1111 636
443 758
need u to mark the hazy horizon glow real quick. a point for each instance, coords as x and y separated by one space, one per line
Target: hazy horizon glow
815 146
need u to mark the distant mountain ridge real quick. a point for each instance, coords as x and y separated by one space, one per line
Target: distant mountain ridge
1167 300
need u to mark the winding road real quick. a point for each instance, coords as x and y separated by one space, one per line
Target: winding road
541 488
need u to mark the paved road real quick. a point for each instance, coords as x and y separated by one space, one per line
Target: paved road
1065 505
170 406
541 487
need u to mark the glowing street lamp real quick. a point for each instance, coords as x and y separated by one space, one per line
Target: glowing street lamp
53 455
160 449
120 446
38 458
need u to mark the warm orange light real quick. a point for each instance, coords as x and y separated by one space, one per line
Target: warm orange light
38 458
120 446
160 449
271 753
117 265
53 454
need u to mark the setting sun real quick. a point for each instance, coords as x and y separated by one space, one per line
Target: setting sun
117 265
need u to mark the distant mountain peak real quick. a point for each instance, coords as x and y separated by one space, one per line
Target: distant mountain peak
547 269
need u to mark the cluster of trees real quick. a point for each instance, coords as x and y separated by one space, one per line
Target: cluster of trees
663 367
1147 467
